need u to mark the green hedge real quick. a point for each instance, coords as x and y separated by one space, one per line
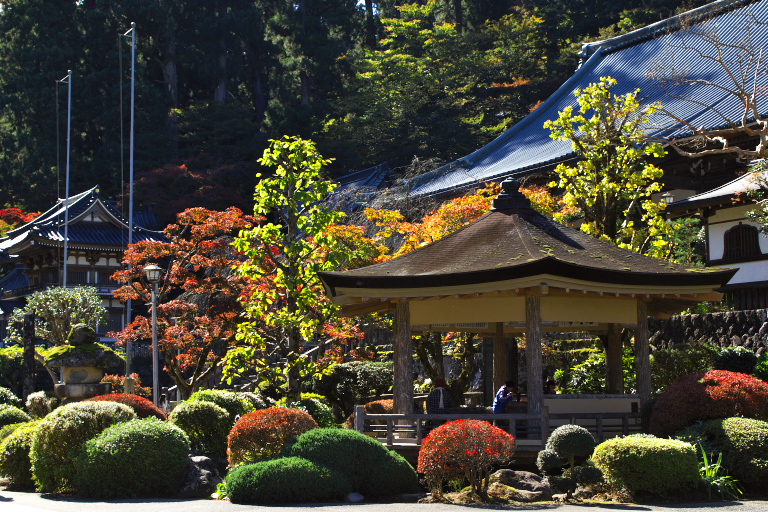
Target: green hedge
370 468
286 480
60 436
661 467
320 412
138 459
234 403
206 424
10 415
8 397
14 455
348 384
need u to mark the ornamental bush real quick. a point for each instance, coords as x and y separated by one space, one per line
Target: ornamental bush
348 384
708 395
14 455
40 405
464 449
256 400
320 412
370 468
206 424
304 396
234 403
10 415
143 407
9 398
138 459
7 430
743 443
571 441
286 480
736 359
263 434
657 466
60 436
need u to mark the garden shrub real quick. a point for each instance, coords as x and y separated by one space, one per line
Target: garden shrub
669 364
10 414
657 466
206 424
547 460
40 405
571 441
464 449
234 403
286 480
320 412
375 407
143 407
14 455
256 400
60 436
138 459
736 359
743 443
7 430
761 369
263 434
370 468
708 395
304 396
349 383
9 398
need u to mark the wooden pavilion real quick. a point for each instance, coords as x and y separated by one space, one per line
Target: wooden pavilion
512 271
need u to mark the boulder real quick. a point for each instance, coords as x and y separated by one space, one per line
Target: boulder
524 481
354 497
201 478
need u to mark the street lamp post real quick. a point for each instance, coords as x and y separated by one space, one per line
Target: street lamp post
153 273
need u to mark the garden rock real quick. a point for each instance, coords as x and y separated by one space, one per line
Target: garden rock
201 478
354 497
530 496
524 481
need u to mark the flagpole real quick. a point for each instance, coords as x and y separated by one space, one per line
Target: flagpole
68 78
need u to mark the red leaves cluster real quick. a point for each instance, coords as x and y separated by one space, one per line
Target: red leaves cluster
464 448
16 216
708 395
140 405
262 434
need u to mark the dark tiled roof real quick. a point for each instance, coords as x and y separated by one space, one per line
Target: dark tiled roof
725 194
357 188
514 242
527 147
16 279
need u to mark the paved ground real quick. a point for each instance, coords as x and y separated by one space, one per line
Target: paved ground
33 502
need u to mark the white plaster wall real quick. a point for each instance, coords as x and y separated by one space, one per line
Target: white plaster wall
722 221
750 272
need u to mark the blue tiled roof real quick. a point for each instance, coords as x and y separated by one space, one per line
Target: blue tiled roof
527 146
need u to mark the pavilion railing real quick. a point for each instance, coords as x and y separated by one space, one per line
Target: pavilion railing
602 425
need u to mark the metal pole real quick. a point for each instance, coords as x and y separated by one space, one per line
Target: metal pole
66 191
129 303
155 350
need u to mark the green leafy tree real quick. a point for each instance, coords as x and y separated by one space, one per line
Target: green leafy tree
612 183
57 310
284 305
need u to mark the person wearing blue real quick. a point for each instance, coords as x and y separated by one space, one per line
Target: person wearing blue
505 395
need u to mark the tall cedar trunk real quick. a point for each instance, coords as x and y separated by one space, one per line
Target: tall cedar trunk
370 25
259 98
29 355
643 354
533 353
402 390
220 96
458 13
171 79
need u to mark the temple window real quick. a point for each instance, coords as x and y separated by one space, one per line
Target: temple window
741 241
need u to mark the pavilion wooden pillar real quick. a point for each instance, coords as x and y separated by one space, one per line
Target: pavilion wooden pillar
499 357
533 354
643 354
613 357
402 389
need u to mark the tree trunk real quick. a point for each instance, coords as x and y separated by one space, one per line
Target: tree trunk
171 79
29 355
370 25
613 359
403 358
643 354
499 357
533 354
220 96
514 363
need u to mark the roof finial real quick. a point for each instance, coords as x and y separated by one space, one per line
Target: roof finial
511 197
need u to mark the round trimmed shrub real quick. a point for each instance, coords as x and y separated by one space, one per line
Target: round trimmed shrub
206 424
375 407
464 447
60 436
234 403
547 460
286 480
256 400
138 459
7 430
708 395
743 443
304 396
370 468
657 466
263 434
571 441
10 415
14 455
8 397
40 405
736 359
320 412
143 407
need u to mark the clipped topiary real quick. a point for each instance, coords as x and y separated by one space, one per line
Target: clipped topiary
14 455
708 395
141 406
547 460
60 436
370 468
206 424
320 412
660 467
736 359
263 434
256 400
464 449
138 459
571 441
9 398
234 403
286 480
347 384
10 415
743 443
40 405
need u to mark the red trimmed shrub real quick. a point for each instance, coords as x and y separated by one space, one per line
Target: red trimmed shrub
464 449
708 395
264 433
141 406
